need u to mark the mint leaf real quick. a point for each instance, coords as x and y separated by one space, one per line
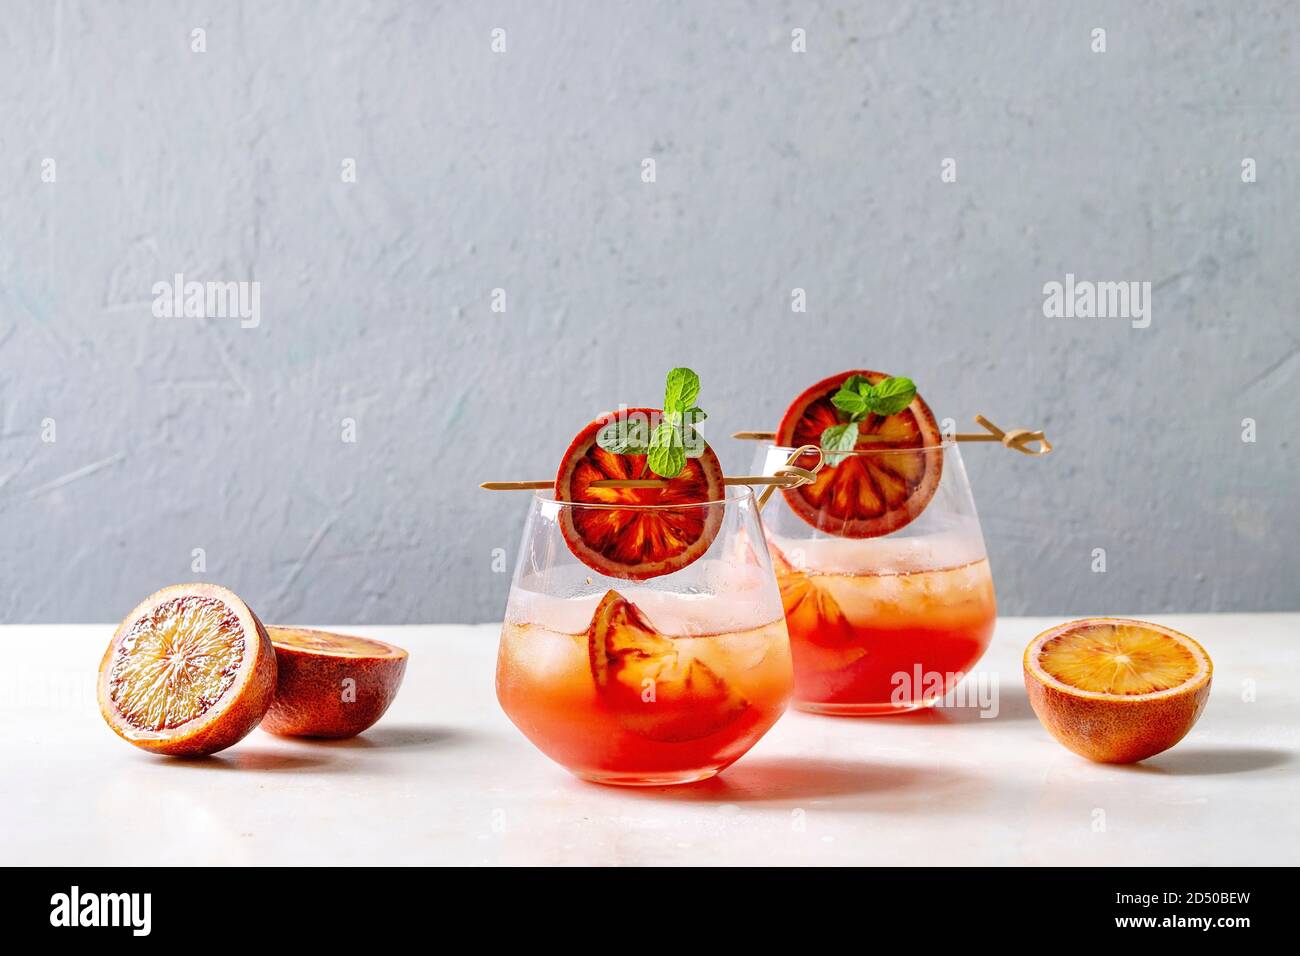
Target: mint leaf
682 390
625 436
838 440
691 416
851 399
627 447
891 396
851 402
667 456
857 383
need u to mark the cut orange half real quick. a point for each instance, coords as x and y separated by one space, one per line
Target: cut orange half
331 685
189 672
884 484
655 690
1116 690
652 538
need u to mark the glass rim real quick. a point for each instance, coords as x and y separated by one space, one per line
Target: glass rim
731 495
944 445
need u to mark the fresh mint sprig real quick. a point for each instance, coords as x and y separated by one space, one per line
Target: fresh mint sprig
856 400
682 390
673 440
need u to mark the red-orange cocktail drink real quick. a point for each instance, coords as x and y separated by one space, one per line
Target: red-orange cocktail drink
623 702
883 624
644 641
883 643
880 559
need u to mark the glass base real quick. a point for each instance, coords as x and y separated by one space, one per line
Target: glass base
649 779
863 710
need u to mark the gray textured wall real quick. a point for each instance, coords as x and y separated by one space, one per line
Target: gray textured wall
521 170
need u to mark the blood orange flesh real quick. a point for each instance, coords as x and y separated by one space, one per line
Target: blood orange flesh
884 484
636 533
189 671
656 689
1117 690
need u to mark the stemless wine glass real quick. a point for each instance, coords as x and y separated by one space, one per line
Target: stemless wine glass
881 625
649 682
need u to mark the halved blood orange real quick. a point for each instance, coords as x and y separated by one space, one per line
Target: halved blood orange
655 689
331 685
1116 690
879 488
189 672
651 538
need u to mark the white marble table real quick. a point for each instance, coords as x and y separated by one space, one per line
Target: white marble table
445 778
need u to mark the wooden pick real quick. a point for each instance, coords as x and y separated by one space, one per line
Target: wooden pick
784 478
806 475
787 476
1018 439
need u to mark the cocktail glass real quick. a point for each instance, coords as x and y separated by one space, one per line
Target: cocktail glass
888 624
660 681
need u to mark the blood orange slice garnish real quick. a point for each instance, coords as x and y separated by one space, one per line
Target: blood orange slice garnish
886 481
648 536
190 671
657 689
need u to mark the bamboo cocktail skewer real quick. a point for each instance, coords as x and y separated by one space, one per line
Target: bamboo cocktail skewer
787 476
1018 439
779 481
791 476
806 476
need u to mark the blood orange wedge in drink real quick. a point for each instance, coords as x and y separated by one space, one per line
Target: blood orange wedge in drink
189 672
331 685
655 537
811 609
1116 690
881 482
653 689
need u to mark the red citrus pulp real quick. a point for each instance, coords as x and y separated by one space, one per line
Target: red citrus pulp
642 678
649 536
188 672
886 481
